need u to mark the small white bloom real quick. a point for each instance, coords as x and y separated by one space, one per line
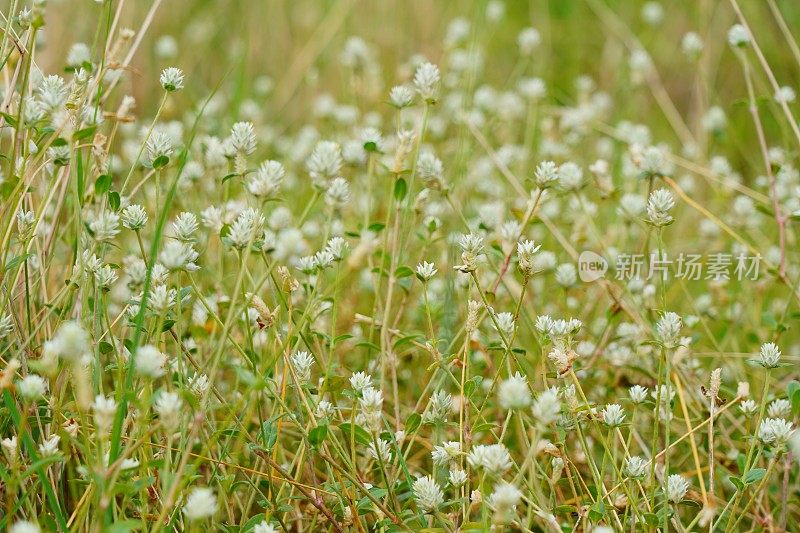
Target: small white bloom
514 392
301 364
200 504
24 526
150 361
676 488
493 458
770 355
738 36
613 415
636 467
50 446
428 494
172 79
32 387
134 217
401 96
168 407
659 204
426 80
105 409
360 381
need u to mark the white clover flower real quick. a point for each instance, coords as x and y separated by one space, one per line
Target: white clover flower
360 381
243 138
184 226
546 407
266 182
325 409
52 92
337 247
638 394
382 452
471 247
676 488
24 526
265 527
371 403
570 176
10 450
566 275
401 96
301 364
426 80
200 504
425 271
613 415
691 44
527 40
211 217
159 147
749 407
427 494
652 161
105 276
494 459
171 79
544 324
247 226
785 94
49 447
134 217
514 392
431 170
338 193
668 329
178 256
439 407
714 119
631 205
659 204
653 13
526 256
505 323
162 298
504 500
371 140
70 342
199 384
307 264
105 226
32 387
457 477
532 88
738 36
25 220
775 432
636 467
770 355
325 161
780 408
150 361
447 452
168 406
105 409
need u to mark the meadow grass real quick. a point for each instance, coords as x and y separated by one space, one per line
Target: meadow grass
399 266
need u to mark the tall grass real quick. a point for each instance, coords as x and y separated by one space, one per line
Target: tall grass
454 267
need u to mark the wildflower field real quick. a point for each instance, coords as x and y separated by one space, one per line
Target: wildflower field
344 265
